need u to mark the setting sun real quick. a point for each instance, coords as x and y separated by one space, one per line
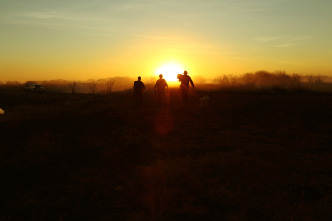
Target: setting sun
170 71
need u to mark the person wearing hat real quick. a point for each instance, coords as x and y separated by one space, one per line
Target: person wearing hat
139 87
185 79
159 88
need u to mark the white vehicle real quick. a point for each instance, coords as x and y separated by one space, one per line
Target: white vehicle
33 87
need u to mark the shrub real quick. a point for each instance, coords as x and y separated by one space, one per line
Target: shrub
278 80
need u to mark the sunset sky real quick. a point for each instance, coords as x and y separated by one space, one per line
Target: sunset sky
84 39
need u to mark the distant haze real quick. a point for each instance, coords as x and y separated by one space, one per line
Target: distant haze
80 40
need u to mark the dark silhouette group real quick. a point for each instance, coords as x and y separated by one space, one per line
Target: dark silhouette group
160 86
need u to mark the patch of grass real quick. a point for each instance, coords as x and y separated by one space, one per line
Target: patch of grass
248 156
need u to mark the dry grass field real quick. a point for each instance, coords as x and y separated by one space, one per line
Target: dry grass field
249 155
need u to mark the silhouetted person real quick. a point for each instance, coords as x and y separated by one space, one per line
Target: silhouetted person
139 87
185 79
159 88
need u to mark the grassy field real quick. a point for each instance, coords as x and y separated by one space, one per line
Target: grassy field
258 155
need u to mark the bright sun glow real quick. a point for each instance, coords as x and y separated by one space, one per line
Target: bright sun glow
170 71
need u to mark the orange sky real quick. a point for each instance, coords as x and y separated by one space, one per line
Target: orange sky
80 40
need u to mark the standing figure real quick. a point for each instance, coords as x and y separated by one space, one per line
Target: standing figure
139 87
159 88
185 79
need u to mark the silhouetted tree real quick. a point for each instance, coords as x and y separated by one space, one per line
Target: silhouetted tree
93 86
109 86
73 87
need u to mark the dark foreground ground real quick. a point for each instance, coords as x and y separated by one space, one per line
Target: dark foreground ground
247 156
